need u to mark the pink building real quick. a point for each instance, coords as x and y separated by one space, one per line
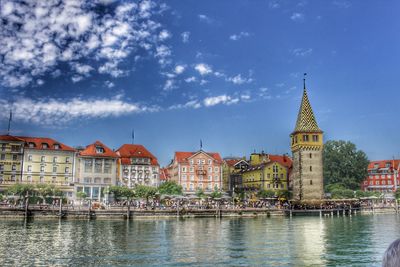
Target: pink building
196 170
383 176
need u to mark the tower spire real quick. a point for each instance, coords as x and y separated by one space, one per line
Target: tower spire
304 81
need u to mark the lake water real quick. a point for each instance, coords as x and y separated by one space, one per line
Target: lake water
278 241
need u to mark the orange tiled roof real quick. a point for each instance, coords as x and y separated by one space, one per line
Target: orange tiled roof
382 164
90 151
39 142
128 151
232 162
10 138
282 159
184 156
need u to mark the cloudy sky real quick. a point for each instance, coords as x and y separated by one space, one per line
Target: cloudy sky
227 72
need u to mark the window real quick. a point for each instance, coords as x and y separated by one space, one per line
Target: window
107 180
305 138
216 178
310 168
56 146
268 175
67 160
15 148
97 180
377 182
310 182
192 177
29 168
216 169
210 178
54 169
41 179
45 146
310 155
42 158
14 167
3 147
29 157
99 150
191 162
209 169
191 187
183 169
3 157
87 180
54 159
389 182
98 165
184 177
1 167
315 138
88 165
203 161
107 166
66 169
387 164
31 145
199 161
15 157
209 162
42 168
191 169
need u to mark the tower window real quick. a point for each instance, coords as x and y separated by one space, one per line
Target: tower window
305 138
310 168
315 138
310 155
310 182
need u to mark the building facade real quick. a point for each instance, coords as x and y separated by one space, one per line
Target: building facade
11 160
307 147
197 170
383 176
137 166
47 161
232 178
96 170
266 172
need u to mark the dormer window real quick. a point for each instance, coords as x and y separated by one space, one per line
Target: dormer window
45 146
99 150
31 145
56 146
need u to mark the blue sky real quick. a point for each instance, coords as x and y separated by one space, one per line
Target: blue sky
227 72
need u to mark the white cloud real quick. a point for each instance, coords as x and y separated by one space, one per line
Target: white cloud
297 17
221 99
169 85
190 79
245 97
274 5
301 51
58 112
238 79
235 37
205 18
179 69
185 37
203 68
36 36
342 4
190 104
109 84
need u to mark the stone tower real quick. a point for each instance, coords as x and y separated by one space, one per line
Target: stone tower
307 147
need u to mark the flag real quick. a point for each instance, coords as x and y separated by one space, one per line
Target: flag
9 121
133 136
201 144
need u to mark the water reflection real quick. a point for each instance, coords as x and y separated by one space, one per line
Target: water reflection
281 241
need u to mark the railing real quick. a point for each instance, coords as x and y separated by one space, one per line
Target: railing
35 182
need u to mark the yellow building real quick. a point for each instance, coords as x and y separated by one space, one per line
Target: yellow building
267 172
48 161
231 173
11 158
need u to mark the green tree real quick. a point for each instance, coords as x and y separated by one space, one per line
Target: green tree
146 192
344 164
200 193
24 191
397 194
170 188
266 194
216 193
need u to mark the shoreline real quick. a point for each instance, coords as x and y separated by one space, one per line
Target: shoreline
121 214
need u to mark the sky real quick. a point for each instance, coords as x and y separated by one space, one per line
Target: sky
226 72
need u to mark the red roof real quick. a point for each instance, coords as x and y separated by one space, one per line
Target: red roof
382 164
10 138
232 162
281 159
184 156
128 151
44 143
90 151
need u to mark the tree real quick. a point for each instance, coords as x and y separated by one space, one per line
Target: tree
170 188
43 191
24 191
266 194
216 193
397 194
344 164
146 192
199 193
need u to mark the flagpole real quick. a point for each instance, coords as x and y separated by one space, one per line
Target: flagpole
9 122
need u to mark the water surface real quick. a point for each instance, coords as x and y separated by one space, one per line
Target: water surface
279 241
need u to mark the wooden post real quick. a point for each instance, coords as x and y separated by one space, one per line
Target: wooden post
60 209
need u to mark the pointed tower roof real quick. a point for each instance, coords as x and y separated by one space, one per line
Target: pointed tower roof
305 119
